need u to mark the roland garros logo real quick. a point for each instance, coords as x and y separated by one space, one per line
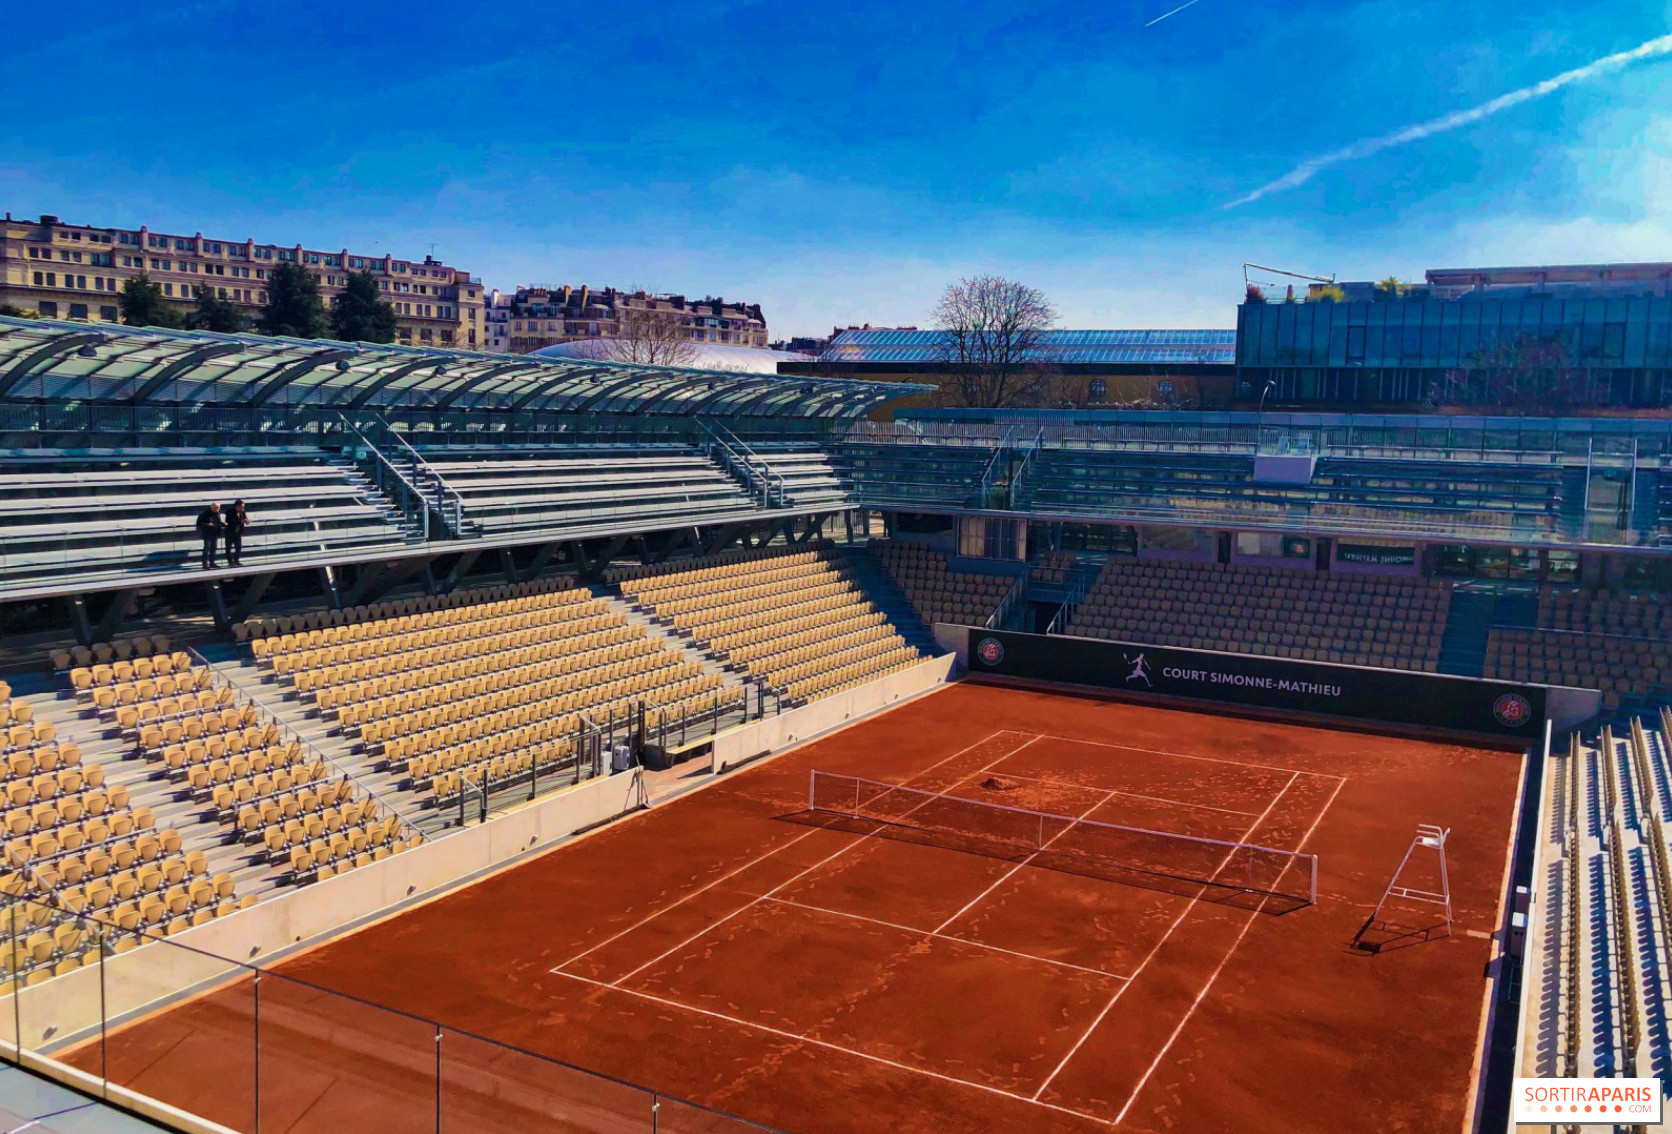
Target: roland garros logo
1512 710
990 651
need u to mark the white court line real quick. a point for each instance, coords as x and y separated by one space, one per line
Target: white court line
947 937
1189 756
648 918
1128 794
1001 879
826 1044
832 856
1150 956
1202 995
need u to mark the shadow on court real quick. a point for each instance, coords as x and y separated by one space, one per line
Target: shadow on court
1386 935
1158 877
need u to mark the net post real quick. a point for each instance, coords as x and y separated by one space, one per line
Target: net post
812 788
1314 879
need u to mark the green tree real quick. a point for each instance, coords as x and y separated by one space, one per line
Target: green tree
1326 293
12 311
1389 289
293 307
214 313
361 315
143 305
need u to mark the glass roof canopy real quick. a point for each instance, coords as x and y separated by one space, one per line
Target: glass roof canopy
106 362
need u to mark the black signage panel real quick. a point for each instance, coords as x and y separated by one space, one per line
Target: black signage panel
1494 708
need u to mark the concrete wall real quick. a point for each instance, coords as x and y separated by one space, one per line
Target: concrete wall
773 734
69 1005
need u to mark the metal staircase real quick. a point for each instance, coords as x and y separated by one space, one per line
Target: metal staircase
398 473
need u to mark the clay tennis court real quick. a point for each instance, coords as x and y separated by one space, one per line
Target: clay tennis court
821 974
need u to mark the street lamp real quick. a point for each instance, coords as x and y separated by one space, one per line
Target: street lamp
1259 416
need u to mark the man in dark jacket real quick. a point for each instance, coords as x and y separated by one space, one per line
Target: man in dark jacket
236 521
209 527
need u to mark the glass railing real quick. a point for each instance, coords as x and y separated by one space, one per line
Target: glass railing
249 1048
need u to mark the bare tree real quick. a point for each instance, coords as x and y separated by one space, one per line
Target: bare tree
991 339
646 333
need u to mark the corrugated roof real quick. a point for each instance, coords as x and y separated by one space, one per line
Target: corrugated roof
1067 347
105 362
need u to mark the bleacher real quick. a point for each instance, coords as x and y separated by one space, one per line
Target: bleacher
1357 620
67 514
939 593
219 748
483 687
1598 1002
1442 496
510 490
791 617
1619 642
805 472
77 843
884 474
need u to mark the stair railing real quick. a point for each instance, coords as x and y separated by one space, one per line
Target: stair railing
1076 595
990 473
449 505
996 620
239 693
742 463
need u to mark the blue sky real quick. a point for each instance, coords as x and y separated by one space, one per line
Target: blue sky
842 163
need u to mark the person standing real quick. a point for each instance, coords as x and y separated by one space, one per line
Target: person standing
236 521
209 526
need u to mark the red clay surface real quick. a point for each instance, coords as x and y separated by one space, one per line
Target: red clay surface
818 979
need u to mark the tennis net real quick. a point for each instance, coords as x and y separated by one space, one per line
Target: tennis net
1062 842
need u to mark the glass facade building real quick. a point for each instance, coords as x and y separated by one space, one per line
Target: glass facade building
1391 351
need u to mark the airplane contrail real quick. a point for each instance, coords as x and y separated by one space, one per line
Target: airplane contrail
1174 12
1307 170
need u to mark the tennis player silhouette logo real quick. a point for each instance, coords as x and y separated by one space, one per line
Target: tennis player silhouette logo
1140 669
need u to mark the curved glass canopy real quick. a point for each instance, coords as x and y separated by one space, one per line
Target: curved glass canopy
105 362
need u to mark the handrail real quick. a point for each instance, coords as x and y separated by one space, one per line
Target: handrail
384 463
996 619
239 691
448 504
420 463
987 474
1076 595
758 477
754 458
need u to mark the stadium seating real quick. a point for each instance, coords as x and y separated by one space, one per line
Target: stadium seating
482 687
1358 620
1605 888
884 474
222 749
96 514
805 471
1484 498
555 488
1619 642
76 844
939 593
791 617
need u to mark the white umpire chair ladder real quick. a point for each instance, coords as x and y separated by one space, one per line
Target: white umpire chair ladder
1428 838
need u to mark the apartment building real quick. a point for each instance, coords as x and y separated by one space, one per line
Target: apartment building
72 271
535 317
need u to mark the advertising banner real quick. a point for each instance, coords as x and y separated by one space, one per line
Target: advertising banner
1494 708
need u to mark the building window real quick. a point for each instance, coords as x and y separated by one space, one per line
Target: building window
39 279
78 310
108 314
47 308
168 289
1098 390
52 279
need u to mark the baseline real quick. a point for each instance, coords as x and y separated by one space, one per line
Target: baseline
836 1047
